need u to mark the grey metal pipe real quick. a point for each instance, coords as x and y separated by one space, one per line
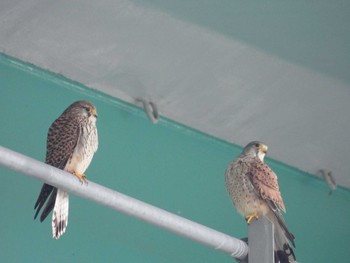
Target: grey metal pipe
123 203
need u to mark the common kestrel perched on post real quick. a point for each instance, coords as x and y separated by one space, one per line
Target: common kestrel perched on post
71 143
254 190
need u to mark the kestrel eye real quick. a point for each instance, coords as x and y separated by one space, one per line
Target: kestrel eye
257 145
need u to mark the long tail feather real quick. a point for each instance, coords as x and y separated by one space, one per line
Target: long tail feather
45 192
283 240
60 214
49 205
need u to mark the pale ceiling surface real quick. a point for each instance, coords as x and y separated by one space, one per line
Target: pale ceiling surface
241 71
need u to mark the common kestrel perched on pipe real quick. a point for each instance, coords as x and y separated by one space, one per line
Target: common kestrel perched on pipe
254 190
71 143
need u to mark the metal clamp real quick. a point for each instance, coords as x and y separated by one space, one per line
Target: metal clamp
151 110
329 178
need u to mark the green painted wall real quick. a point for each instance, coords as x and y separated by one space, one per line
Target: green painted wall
167 165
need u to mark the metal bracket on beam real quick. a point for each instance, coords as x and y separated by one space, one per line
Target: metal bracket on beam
151 109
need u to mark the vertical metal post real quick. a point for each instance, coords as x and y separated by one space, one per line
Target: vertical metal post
261 240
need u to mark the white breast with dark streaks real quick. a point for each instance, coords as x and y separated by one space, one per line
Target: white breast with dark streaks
86 147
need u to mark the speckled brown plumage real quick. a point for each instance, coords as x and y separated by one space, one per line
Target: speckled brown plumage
71 143
265 182
254 190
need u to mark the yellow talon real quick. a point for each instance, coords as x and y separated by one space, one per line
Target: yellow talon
81 177
249 218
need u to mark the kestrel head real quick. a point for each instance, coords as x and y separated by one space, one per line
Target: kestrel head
256 148
82 108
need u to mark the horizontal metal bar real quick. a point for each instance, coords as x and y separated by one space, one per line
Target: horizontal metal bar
123 203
